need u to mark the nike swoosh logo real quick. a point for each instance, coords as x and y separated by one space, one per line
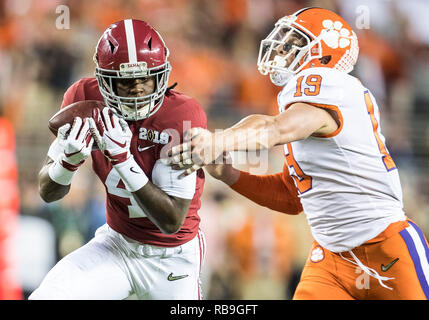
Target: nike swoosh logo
144 148
122 145
72 154
173 278
133 170
385 268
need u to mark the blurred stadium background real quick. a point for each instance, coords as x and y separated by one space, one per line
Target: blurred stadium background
253 253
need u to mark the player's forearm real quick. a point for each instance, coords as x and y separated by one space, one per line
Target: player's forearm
257 132
50 190
254 132
271 191
275 191
166 212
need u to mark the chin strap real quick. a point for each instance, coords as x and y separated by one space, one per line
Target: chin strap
171 87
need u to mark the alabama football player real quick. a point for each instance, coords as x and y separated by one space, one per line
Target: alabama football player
337 169
151 245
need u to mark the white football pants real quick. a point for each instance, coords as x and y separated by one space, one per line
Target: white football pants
111 267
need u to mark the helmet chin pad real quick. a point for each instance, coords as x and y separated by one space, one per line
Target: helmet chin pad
138 112
280 78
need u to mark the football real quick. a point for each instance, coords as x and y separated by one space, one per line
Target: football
81 109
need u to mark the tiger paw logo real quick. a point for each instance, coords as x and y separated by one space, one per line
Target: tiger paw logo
334 35
317 254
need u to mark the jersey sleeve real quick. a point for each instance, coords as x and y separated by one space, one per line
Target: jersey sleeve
168 181
316 86
191 116
187 116
180 119
275 191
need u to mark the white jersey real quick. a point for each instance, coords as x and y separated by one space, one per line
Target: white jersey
347 182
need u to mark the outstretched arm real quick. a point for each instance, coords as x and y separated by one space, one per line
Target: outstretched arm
254 132
275 191
257 132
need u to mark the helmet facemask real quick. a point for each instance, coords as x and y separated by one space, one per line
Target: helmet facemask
133 108
286 51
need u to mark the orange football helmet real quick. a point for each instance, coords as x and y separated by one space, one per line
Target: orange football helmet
311 37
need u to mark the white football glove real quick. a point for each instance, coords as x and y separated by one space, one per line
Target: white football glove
76 145
112 135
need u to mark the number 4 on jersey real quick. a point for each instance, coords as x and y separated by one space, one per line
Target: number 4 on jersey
112 182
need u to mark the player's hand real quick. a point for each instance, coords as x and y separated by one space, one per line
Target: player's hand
112 135
198 149
76 144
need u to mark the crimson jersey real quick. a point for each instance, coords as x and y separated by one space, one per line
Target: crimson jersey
177 113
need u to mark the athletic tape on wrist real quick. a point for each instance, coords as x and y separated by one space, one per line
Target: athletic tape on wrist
133 176
59 174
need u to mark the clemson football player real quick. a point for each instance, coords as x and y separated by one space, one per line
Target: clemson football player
337 169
